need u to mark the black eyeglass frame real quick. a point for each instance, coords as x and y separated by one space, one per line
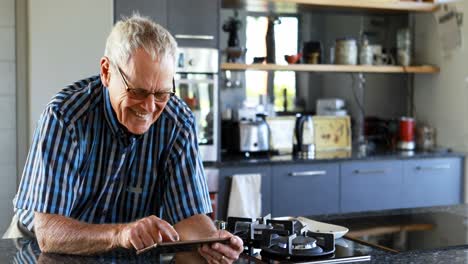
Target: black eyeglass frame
144 91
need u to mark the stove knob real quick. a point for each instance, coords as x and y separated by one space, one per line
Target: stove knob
220 225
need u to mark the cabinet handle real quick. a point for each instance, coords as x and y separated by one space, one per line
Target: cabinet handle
369 171
436 167
202 37
308 173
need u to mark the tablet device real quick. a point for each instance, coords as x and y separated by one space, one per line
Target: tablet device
180 246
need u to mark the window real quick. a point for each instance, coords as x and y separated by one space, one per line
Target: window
286 39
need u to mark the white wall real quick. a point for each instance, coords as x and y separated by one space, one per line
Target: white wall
442 99
7 111
66 41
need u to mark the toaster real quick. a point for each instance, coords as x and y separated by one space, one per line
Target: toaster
254 135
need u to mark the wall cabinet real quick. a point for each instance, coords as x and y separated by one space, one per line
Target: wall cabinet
156 10
192 23
371 185
305 189
431 182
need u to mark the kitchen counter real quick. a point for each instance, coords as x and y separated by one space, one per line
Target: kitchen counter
330 156
26 251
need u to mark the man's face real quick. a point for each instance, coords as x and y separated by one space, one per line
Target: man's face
137 115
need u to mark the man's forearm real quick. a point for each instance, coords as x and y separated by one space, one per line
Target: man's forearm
59 234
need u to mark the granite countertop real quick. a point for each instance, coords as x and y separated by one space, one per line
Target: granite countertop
26 251
330 156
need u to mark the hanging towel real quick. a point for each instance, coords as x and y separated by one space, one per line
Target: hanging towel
245 199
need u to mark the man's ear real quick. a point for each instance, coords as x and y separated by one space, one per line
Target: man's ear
105 71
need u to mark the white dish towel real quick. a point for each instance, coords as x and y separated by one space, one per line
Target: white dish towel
245 199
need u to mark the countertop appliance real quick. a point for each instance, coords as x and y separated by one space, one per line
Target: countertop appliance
286 240
197 84
331 106
303 141
406 129
254 135
409 231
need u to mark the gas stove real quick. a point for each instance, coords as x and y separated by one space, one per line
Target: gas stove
289 240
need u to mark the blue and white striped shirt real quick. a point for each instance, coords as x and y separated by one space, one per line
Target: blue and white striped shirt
84 164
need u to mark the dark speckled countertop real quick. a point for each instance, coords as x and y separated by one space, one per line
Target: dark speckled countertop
330 156
26 251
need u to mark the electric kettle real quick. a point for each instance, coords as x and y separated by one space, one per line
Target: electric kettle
303 141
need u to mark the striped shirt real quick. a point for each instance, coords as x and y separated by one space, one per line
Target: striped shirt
84 164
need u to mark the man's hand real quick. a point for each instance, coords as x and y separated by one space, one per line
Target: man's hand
145 232
222 253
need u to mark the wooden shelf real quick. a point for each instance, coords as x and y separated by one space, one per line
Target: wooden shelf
376 5
369 4
331 68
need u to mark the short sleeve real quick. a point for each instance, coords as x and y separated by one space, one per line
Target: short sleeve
187 190
49 182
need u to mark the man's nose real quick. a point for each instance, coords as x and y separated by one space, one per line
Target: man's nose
149 104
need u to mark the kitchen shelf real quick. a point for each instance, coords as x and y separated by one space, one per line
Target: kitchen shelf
376 5
369 4
331 68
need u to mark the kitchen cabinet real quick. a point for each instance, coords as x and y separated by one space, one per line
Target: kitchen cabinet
372 185
225 179
305 189
430 182
350 186
192 23
155 9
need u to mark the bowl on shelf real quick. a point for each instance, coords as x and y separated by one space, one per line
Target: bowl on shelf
235 54
292 59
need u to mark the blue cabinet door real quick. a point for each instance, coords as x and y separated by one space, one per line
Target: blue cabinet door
430 182
156 10
194 23
225 179
372 185
305 189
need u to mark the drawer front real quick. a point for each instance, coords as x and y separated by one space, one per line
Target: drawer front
370 185
430 182
305 190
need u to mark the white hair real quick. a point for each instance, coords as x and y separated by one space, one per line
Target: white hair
130 34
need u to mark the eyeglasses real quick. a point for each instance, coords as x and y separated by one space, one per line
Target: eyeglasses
142 94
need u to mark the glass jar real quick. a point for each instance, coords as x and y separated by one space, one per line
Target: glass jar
366 56
346 51
404 47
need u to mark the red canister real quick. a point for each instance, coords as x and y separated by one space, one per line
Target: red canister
406 133
406 129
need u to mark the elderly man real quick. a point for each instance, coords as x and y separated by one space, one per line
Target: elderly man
115 153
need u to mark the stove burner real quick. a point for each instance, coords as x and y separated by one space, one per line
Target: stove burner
281 239
304 243
307 246
259 228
